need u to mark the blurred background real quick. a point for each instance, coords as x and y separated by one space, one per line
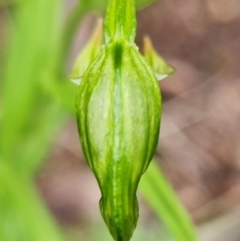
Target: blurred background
199 146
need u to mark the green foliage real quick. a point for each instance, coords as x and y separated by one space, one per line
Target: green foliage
31 117
29 109
23 216
164 201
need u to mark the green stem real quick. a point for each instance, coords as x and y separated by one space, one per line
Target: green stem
120 21
160 195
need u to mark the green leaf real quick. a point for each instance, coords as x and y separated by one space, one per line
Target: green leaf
23 216
29 110
162 198
32 116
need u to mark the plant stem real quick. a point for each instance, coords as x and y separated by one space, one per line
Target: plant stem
120 21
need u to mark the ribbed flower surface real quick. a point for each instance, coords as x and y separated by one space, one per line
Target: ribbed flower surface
118 114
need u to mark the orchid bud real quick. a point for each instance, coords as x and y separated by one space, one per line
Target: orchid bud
118 115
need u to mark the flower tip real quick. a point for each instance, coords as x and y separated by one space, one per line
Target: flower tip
157 63
98 32
76 81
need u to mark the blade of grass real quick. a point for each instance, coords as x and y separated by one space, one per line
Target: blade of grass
23 216
30 120
162 198
31 52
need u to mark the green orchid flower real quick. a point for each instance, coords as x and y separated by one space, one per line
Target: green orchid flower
118 115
